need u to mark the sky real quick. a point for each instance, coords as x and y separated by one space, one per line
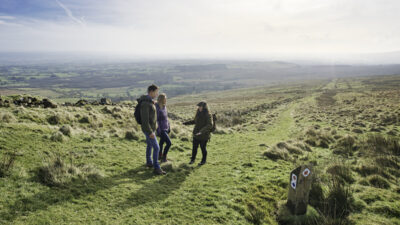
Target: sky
206 27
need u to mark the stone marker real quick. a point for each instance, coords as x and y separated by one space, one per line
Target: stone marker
299 188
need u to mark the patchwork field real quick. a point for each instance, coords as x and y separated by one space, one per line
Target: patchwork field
85 164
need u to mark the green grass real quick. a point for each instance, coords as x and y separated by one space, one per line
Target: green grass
238 185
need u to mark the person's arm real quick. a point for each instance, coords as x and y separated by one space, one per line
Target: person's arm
144 113
190 122
208 126
158 114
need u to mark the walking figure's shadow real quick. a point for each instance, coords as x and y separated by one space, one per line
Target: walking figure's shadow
80 188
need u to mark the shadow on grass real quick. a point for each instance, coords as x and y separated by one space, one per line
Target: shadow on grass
157 191
79 188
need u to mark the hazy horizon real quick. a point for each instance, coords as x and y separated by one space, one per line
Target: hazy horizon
278 30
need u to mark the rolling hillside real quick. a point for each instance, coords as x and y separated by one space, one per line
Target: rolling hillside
84 163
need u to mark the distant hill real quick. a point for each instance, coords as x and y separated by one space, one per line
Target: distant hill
207 67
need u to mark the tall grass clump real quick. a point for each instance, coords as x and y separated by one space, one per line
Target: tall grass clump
57 137
276 153
336 201
56 172
342 172
131 135
54 119
345 146
7 117
317 138
378 144
7 161
66 130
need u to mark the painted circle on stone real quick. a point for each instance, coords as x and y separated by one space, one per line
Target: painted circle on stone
293 184
306 172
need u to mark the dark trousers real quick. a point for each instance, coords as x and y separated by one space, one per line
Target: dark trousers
164 139
203 146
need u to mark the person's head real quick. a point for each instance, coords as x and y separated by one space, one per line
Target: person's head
152 91
202 107
162 100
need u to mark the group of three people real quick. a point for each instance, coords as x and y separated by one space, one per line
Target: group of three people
154 122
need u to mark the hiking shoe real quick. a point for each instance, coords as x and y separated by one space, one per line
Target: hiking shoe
159 172
202 163
160 156
149 165
164 160
191 162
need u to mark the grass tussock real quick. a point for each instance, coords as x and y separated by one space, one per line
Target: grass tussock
57 137
342 172
332 197
7 117
56 172
339 202
85 119
391 209
276 153
131 135
378 144
7 162
388 161
365 170
378 181
54 119
318 138
285 150
107 110
285 217
345 146
316 196
66 130
230 119
290 148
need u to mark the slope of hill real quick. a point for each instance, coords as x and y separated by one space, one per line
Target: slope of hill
85 164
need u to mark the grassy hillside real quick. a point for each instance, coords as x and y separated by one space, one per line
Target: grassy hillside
85 165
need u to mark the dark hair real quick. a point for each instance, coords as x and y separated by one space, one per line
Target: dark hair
152 87
206 109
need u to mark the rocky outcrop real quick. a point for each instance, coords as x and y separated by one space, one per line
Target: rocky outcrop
28 101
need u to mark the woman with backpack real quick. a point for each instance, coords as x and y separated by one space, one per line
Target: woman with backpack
203 126
163 128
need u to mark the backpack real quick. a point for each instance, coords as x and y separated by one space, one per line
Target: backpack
137 112
214 127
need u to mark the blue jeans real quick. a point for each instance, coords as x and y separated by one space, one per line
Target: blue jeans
165 139
152 144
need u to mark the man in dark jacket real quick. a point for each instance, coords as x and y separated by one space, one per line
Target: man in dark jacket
149 120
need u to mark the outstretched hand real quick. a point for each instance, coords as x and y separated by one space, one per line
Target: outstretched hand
191 122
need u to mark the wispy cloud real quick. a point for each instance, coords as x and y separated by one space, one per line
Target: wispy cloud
6 17
204 27
70 15
8 21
